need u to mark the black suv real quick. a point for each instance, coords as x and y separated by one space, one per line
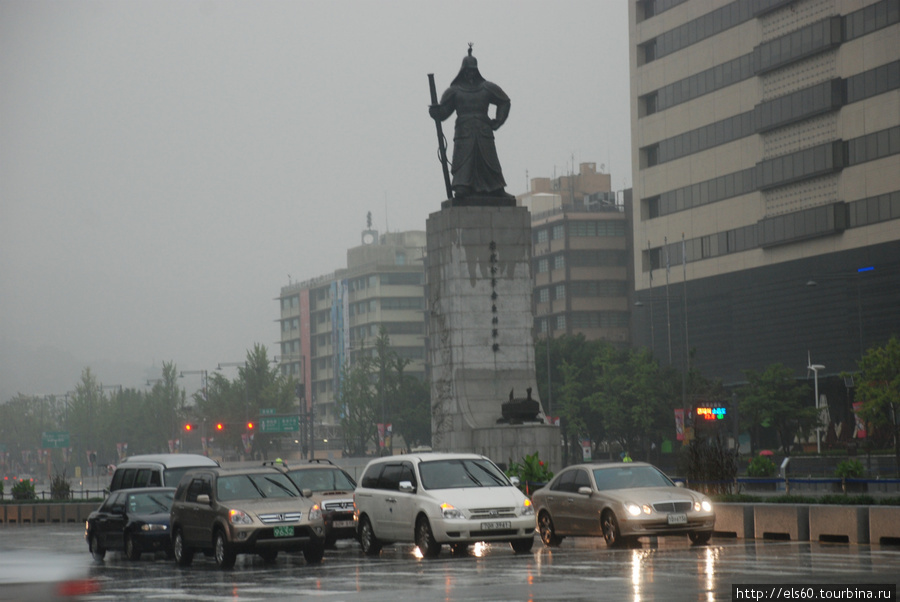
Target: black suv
243 511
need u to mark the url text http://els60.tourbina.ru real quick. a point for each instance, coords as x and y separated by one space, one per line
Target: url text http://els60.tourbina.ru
866 591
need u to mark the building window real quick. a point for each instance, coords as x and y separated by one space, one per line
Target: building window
560 292
559 231
543 295
559 262
542 265
541 235
560 322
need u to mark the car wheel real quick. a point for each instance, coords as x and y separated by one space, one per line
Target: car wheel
367 540
522 546
429 547
183 554
611 532
548 533
132 551
700 537
314 552
269 556
225 556
97 551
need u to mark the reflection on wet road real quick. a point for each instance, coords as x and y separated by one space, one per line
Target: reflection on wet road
670 569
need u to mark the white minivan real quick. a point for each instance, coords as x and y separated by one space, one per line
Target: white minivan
432 499
156 470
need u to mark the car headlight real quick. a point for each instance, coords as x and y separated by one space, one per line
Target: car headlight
154 527
450 512
706 505
527 508
315 513
632 508
239 517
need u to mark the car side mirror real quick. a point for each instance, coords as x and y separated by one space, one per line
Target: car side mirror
203 499
679 484
584 490
407 487
515 481
306 492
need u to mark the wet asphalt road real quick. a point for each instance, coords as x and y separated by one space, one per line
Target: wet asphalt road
669 569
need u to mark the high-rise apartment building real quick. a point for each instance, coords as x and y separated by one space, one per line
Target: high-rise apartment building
766 164
580 239
329 320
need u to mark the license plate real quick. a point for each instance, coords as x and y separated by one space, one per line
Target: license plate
283 531
677 519
496 525
340 524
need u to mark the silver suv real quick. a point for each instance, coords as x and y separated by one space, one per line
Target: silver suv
433 499
243 511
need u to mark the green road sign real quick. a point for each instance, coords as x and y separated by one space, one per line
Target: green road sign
279 424
55 439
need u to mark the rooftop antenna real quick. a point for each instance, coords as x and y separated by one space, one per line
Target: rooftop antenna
387 226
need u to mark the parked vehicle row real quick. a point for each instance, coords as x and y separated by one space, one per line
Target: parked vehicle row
429 499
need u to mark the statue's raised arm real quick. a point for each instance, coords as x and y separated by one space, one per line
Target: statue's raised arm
475 166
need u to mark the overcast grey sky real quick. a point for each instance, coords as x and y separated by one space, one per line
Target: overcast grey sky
165 165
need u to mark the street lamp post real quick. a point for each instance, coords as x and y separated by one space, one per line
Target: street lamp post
815 368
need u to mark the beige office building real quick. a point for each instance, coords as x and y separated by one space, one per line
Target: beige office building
330 320
580 256
766 164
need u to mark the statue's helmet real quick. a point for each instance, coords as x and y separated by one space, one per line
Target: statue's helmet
469 63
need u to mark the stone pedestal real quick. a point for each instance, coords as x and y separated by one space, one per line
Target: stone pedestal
481 350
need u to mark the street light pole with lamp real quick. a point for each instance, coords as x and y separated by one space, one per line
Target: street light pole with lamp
815 369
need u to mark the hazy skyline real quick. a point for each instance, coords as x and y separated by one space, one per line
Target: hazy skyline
167 166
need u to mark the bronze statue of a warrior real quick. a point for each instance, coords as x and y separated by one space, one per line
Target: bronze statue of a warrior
475 166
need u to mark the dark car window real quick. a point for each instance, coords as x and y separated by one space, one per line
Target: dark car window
455 474
128 478
581 480
391 477
173 476
627 477
118 504
108 504
157 502
143 477
199 485
117 480
322 479
255 486
370 478
564 482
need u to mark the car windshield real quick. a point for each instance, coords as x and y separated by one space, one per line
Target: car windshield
454 474
629 477
322 479
254 487
156 502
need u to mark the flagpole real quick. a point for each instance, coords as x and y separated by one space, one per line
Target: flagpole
687 346
668 314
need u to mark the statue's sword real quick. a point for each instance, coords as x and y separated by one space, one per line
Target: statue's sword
442 143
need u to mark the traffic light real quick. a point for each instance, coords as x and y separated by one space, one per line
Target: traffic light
249 426
188 427
220 426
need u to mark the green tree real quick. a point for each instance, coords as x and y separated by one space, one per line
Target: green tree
775 398
358 403
628 397
879 389
238 402
412 416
